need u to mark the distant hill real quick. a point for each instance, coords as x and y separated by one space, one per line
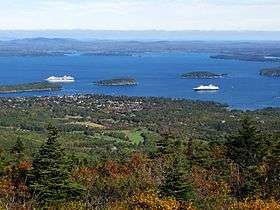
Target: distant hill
44 46
144 35
43 40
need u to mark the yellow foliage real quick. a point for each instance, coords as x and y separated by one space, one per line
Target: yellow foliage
70 205
256 204
2 206
151 201
118 205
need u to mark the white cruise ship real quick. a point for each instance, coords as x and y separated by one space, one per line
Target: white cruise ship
206 88
60 79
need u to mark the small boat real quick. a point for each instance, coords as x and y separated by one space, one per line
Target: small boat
206 88
60 79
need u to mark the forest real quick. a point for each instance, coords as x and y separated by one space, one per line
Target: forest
105 152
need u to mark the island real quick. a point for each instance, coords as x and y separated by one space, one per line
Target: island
201 75
270 72
117 82
30 87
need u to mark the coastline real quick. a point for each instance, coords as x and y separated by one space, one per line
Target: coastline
31 90
155 79
30 87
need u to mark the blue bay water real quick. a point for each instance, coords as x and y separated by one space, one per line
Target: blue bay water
158 74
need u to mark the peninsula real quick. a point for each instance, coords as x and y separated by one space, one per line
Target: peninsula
117 82
201 75
246 57
30 87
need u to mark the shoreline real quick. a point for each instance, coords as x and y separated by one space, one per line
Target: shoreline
226 106
30 87
29 91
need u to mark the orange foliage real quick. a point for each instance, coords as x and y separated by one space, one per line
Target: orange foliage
9 189
25 166
120 179
13 189
6 187
206 184
114 169
137 162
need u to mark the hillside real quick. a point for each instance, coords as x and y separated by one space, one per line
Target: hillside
122 151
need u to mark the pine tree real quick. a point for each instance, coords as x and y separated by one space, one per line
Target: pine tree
247 150
18 173
274 171
189 151
175 184
50 178
18 150
164 145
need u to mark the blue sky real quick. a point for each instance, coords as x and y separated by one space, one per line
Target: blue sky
141 14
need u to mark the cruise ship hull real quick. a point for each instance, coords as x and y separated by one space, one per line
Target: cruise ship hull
60 81
206 88
65 79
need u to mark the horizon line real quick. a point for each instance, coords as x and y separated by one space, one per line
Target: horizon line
143 30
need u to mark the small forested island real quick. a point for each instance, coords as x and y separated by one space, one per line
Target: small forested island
271 72
201 75
30 87
117 82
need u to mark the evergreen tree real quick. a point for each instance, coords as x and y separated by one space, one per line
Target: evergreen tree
50 178
18 150
176 184
247 147
18 173
274 171
164 145
247 150
189 151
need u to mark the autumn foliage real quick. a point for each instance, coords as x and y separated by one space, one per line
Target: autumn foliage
176 174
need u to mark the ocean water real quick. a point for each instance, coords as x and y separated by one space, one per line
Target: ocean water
158 74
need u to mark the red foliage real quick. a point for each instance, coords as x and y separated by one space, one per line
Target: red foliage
25 166
206 183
